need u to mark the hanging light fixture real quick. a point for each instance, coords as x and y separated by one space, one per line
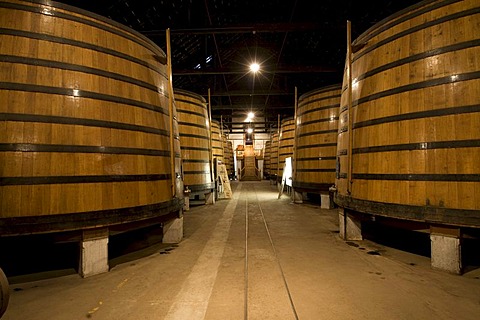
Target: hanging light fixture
254 67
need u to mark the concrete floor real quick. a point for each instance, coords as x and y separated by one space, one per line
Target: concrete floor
298 269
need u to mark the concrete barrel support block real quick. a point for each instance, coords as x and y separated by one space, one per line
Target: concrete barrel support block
186 205
186 199
446 249
210 198
350 225
173 230
341 223
94 252
297 197
326 201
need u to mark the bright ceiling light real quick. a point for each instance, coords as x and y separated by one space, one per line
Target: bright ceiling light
249 130
254 67
250 117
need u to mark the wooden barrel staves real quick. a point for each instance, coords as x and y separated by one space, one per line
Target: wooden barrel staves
274 157
316 139
227 154
230 168
217 147
226 158
194 140
85 134
285 144
415 115
266 157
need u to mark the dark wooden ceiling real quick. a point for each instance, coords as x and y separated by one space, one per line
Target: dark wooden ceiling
300 44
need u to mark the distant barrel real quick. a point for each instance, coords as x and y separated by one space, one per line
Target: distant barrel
266 157
226 155
286 141
274 156
230 156
415 113
316 139
217 146
194 140
85 136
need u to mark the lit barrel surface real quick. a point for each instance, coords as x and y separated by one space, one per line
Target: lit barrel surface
85 136
285 144
194 140
316 138
267 155
274 155
230 157
217 146
226 158
416 115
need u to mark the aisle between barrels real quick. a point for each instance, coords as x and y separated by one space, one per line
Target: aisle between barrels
204 276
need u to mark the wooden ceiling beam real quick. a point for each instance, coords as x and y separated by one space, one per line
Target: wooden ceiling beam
251 28
284 70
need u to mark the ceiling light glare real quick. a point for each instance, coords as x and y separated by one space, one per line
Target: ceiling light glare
254 67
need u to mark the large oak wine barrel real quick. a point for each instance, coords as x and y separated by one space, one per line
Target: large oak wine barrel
195 140
226 155
285 144
85 136
266 157
274 156
230 168
316 139
415 113
217 146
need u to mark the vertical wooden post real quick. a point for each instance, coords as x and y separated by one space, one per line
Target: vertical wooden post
350 111
221 139
212 168
295 135
278 146
170 110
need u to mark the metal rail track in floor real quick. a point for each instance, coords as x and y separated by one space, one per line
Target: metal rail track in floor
277 260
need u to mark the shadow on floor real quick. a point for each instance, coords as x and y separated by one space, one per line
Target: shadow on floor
37 257
401 239
137 244
419 243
